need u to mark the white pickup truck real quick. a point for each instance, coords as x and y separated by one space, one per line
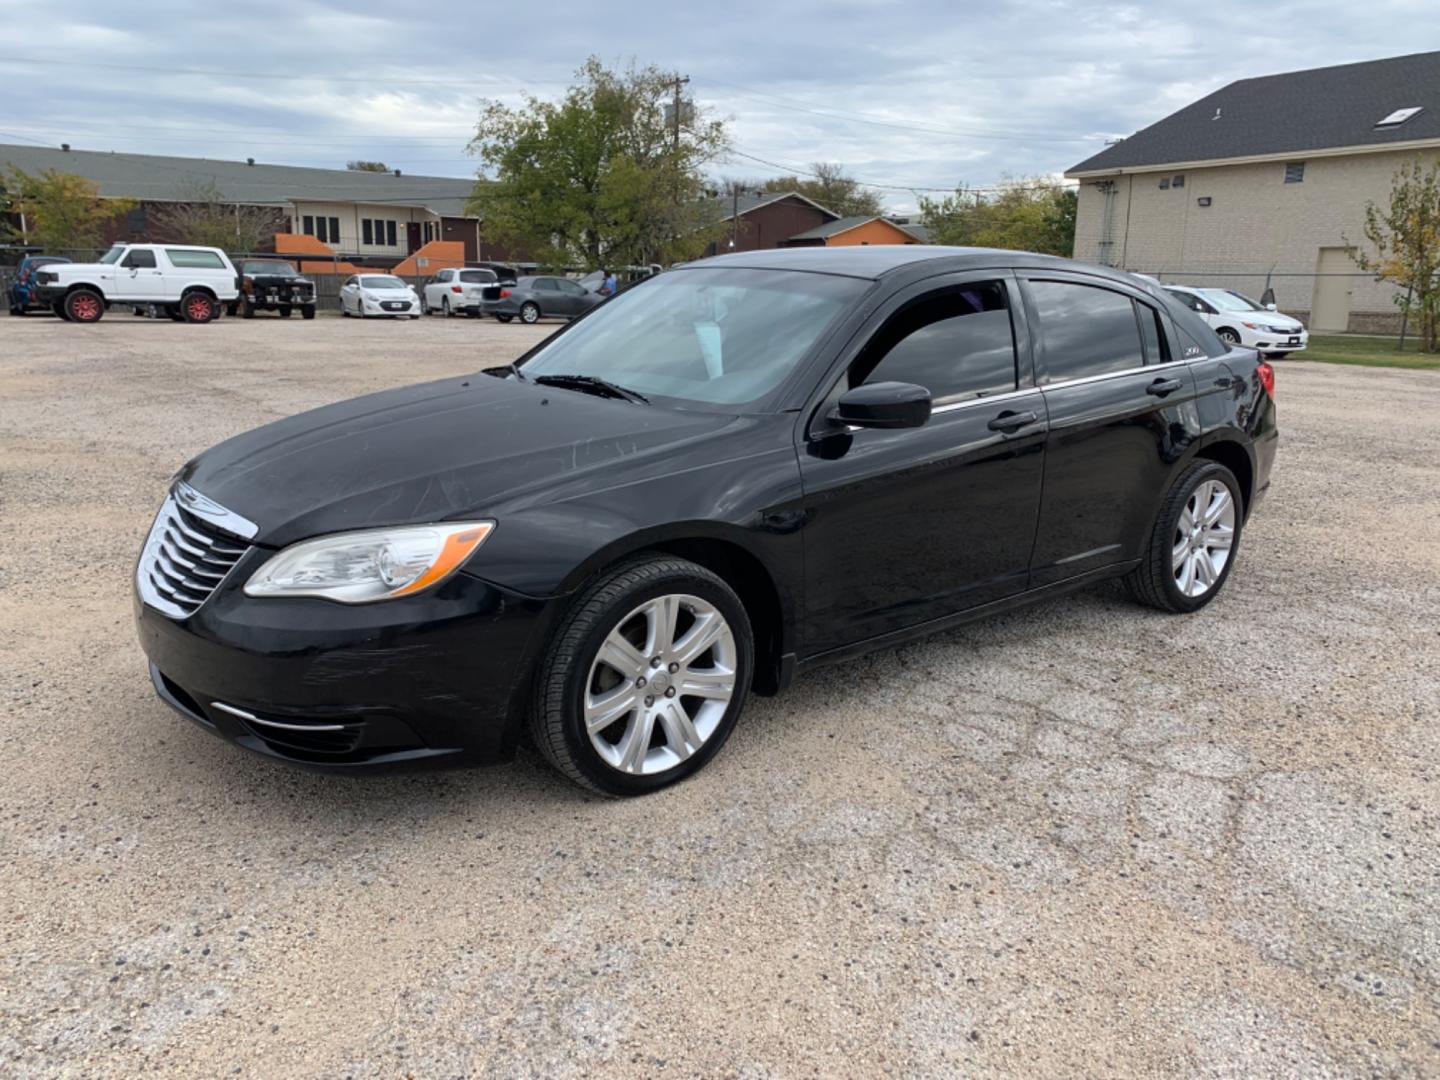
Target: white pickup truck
189 283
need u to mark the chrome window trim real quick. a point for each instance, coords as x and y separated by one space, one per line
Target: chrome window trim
1113 374
952 406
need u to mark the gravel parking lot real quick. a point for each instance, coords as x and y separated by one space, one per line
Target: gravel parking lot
1081 839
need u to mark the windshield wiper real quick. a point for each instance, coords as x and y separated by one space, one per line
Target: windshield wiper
591 384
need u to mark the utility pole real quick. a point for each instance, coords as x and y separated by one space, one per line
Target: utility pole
734 214
680 80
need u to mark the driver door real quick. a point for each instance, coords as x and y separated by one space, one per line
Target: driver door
138 277
914 524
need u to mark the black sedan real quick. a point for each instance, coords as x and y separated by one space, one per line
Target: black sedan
532 298
732 471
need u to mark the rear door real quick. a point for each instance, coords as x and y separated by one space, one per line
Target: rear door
1121 405
908 525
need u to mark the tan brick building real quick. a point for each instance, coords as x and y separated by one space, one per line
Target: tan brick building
1265 181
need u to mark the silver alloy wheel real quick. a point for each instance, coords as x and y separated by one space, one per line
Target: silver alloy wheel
1204 536
660 684
529 313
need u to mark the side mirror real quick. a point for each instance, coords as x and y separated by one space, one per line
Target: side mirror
1270 307
884 405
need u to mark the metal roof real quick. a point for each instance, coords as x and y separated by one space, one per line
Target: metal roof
834 228
726 206
874 260
160 178
1318 109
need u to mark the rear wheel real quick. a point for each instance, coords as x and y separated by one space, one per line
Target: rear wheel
1194 540
84 305
285 311
197 307
645 677
503 318
445 307
308 311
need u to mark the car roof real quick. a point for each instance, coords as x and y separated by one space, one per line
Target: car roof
874 261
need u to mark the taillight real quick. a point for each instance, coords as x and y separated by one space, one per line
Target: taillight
456 288
504 293
1267 378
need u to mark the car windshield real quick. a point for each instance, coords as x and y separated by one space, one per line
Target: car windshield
1229 300
112 255
382 281
710 337
276 269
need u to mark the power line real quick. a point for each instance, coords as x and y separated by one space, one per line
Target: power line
925 130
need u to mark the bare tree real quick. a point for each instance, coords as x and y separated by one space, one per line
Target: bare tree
201 215
367 166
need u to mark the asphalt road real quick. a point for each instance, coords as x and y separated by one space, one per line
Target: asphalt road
1082 839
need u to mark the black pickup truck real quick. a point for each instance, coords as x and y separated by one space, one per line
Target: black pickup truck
274 285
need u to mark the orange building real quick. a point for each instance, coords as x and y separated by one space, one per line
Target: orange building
852 231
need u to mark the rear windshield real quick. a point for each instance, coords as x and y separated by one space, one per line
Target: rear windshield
478 277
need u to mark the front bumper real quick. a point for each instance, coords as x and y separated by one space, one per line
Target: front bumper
508 306
440 679
398 308
270 300
1268 341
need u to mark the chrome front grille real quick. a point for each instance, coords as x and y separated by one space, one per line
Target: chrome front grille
186 556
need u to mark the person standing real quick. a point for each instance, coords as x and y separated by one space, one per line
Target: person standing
608 287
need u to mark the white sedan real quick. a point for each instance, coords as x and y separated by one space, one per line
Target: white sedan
369 295
1241 321
452 291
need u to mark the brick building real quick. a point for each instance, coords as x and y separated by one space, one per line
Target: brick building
1264 180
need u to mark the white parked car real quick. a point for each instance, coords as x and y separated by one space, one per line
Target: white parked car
188 283
367 295
1242 321
451 292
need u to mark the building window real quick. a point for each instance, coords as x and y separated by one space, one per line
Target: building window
367 234
1179 181
309 225
1294 172
390 233
334 230
1164 183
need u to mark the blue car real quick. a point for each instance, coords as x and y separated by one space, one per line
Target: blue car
21 294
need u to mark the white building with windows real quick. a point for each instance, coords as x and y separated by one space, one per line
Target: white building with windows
1265 182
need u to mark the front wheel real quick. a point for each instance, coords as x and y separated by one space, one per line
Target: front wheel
645 677
1230 337
84 305
308 311
1192 546
529 313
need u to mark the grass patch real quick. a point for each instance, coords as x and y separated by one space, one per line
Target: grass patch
1364 351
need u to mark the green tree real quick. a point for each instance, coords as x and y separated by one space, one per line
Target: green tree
200 215
1405 237
367 166
60 210
831 187
598 177
1021 215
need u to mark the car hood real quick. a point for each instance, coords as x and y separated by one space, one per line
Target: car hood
447 450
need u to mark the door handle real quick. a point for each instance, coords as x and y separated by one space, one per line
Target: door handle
1009 421
1161 387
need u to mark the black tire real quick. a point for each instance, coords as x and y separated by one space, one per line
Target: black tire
197 307
173 310
445 307
57 308
503 318
1153 581
1230 337
308 311
84 306
247 311
232 309
285 311
16 311
556 719
529 313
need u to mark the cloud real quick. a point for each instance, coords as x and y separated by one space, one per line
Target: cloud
917 95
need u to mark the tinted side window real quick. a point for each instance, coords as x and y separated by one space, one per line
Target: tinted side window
957 343
1157 350
195 260
545 285
1085 330
136 257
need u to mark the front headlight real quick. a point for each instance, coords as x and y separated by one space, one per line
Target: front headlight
377 564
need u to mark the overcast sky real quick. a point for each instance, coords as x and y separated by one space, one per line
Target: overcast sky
921 94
